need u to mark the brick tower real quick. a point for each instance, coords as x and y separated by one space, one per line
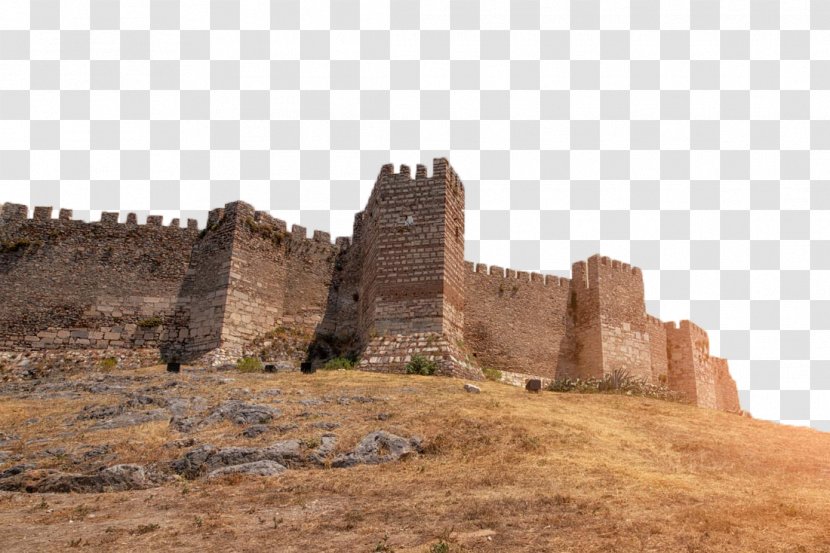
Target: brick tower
411 296
607 300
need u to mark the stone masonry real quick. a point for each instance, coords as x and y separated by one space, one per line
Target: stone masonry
398 287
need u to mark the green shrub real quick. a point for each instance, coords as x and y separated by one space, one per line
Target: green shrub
336 363
109 363
17 245
249 365
150 322
440 547
421 365
491 374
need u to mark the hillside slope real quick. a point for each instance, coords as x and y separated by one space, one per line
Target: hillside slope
503 470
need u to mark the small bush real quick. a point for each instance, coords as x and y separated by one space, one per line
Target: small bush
150 322
421 365
440 547
336 363
11 246
266 231
109 363
491 374
249 365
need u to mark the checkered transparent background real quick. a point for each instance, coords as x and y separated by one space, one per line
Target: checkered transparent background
690 138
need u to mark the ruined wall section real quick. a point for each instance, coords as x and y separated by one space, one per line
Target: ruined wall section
516 321
70 284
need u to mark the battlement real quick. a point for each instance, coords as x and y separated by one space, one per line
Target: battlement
19 213
441 168
651 319
521 276
586 273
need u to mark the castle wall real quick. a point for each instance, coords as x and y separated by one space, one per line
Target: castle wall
399 287
405 285
257 278
691 370
196 327
515 321
70 284
658 350
454 266
264 278
611 319
726 390
584 303
309 267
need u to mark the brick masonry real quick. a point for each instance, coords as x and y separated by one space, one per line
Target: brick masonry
398 287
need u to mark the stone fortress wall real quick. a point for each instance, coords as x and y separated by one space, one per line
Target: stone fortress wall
399 286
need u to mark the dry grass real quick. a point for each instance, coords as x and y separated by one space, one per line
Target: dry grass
504 470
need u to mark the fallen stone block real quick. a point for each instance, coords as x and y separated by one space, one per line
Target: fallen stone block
472 389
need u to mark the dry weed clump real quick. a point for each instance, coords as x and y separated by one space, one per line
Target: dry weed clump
618 381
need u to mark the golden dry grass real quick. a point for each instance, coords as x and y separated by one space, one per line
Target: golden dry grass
504 470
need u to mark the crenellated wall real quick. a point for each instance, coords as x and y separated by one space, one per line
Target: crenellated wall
704 379
517 321
71 284
611 327
412 277
246 284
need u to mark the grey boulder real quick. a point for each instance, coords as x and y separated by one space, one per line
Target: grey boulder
255 468
114 478
378 447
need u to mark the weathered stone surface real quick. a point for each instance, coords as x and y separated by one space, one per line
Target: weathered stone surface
240 412
326 425
132 419
207 458
255 468
256 430
378 447
114 478
15 470
470 388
